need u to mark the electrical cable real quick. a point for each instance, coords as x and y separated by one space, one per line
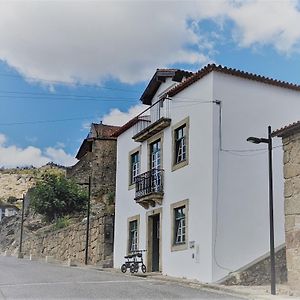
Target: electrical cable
45 121
68 83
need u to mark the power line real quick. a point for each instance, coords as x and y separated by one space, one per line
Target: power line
60 95
46 121
69 83
26 98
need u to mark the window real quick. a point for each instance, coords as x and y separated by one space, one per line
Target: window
180 136
179 215
180 144
134 167
155 155
155 166
133 236
179 233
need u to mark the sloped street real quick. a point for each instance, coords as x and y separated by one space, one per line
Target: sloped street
38 280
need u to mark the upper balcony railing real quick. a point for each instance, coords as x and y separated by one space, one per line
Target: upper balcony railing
152 120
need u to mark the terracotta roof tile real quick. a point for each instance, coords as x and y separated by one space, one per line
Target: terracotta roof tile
126 126
287 130
251 76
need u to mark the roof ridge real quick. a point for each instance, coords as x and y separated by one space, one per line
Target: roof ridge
234 72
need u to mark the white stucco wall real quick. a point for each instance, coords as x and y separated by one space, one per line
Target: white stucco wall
193 182
227 190
241 196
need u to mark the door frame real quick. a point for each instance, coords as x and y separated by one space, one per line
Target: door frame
149 223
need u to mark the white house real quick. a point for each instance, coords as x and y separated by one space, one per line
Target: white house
7 210
190 189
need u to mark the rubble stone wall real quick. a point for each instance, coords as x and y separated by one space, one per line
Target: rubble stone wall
100 164
80 171
258 273
291 169
69 242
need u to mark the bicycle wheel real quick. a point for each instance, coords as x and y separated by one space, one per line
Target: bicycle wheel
132 268
136 268
123 268
144 269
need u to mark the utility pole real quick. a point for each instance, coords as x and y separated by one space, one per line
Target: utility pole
20 254
87 225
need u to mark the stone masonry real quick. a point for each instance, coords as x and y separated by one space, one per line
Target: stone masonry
69 242
258 272
291 169
97 158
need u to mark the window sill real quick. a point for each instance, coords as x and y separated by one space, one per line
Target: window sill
179 247
131 186
180 165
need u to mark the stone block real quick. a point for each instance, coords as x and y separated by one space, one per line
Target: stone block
71 263
294 279
289 222
49 259
288 188
291 170
292 205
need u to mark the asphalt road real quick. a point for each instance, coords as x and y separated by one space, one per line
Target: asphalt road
24 279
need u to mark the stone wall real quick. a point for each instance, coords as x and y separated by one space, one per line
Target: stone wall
258 273
69 242
100 164
104 170
291 169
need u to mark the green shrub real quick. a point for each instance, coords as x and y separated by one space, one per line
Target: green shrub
62 222
55 196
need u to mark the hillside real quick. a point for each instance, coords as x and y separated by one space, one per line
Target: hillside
14 183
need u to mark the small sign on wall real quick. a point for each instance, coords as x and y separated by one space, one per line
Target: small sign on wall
197 254
192 244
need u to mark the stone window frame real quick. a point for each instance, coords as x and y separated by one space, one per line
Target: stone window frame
173 206
158 136
139 150
131 219
175 166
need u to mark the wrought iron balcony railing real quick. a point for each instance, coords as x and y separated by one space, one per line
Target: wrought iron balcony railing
152 120
149 183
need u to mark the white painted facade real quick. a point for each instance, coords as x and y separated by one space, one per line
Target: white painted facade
7 212
225 181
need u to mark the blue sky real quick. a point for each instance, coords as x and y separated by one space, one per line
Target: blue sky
66 64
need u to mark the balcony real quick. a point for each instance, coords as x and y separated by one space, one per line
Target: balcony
152 120
149 189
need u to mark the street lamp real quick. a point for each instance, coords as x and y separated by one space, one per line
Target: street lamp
87 221
20 254
268 141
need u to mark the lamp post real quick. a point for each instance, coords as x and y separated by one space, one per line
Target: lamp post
20 254
88 225
268 141
87 221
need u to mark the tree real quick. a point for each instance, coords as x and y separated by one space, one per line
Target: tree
56 196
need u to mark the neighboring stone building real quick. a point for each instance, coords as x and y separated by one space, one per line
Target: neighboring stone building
291 168
97 158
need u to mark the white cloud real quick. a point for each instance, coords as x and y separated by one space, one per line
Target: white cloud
119 118
268 22
91 41
95 40
2 139
13 156
59 156
256 22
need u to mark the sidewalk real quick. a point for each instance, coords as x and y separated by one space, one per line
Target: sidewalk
247 292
